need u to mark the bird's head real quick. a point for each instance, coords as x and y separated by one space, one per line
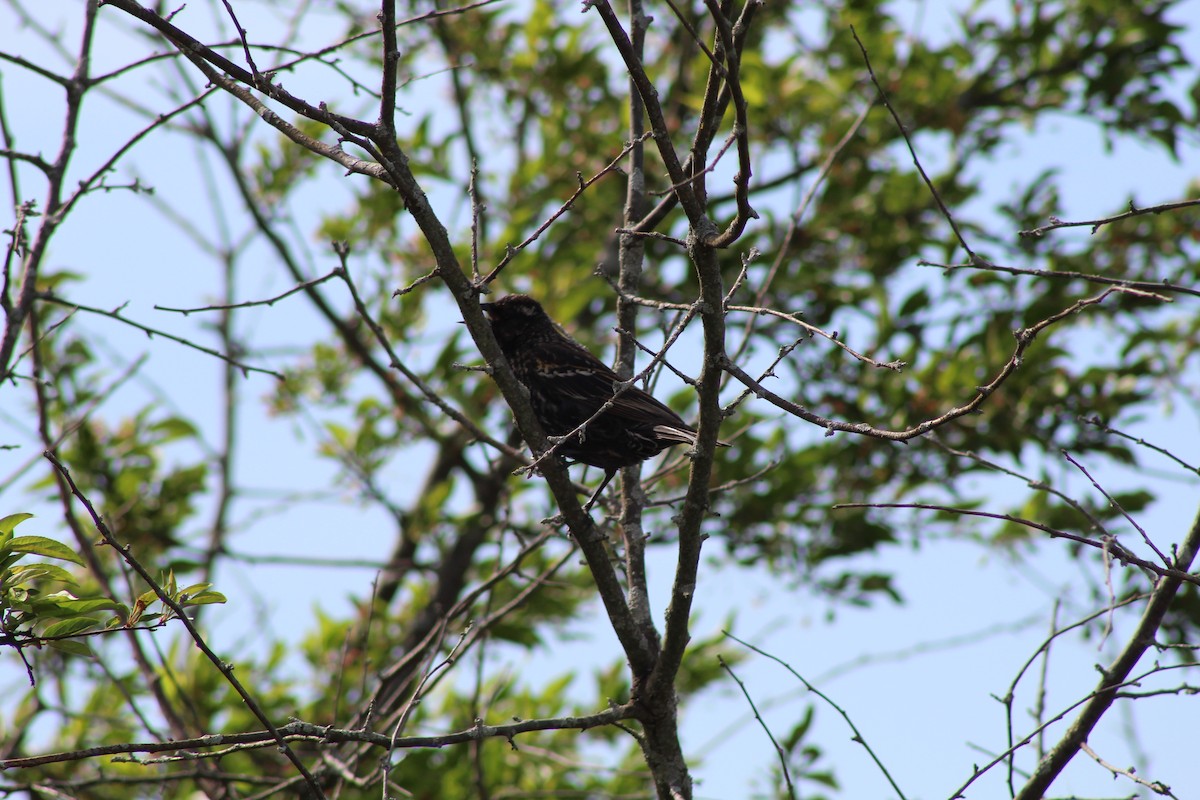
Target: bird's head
517 317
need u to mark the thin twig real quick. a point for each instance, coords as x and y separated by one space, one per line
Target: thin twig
1104 280
1108 545
785 246
425 389
419 692
733 37
1024 337
1158 787
1036 485
1095 224
270 301
512 251
1099 423
779 751
1112 501
912 151
241 32
152 332
858 737
894 365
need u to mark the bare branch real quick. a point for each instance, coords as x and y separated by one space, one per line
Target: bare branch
1158 787
235 76
416 380
325 735
512 251
1024 337
1112 501
270 301
1097 422
654 113
793 229
894 365
733 38
779 751
1104 280
1096 224
1114 676
1108 545
245 368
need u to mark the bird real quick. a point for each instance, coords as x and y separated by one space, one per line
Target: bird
568 385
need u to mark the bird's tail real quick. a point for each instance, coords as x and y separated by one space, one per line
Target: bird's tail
669 433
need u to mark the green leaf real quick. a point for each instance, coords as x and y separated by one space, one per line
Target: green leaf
70 627
11 521
41 546
28 573
204 599
72 646
173 428
70 606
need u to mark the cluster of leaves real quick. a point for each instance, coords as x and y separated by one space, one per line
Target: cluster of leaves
28 613
31 615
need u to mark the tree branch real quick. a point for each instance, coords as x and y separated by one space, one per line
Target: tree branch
1115 676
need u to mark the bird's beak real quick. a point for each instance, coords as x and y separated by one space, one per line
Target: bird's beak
487 309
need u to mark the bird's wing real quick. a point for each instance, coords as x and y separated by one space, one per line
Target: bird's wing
568 369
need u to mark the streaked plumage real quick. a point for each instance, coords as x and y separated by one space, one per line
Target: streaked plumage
567 385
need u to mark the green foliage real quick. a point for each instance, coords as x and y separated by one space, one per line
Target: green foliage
534 100
29 613
33 615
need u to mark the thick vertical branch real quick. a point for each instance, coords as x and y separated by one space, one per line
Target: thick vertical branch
695 506
657 701
391 60
632 248
631 257
660 719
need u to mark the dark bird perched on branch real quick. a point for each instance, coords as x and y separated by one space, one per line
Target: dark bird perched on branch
568 385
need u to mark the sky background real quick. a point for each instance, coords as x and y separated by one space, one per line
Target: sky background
918 679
